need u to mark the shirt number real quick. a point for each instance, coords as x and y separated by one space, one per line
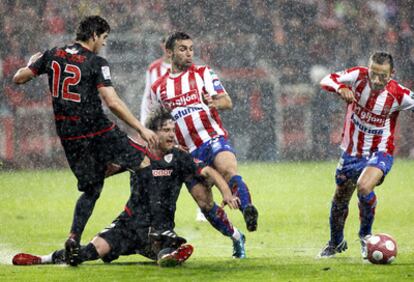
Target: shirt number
72 78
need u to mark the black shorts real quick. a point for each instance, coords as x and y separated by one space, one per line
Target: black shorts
88 157
126 241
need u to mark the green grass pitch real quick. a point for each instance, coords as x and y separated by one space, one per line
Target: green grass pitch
293 200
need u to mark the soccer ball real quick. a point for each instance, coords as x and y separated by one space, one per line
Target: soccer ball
382 249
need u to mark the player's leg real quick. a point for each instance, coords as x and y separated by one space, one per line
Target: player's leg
90 171
367 204
92 251
339 211
369 178
57 257
348 170
377 168
84 207
217 217
83 210
337 219
226 163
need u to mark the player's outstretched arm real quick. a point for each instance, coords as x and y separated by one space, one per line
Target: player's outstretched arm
228 198
25 74
118 107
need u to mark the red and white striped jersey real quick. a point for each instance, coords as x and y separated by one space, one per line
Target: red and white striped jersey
155 70
184 95
370 122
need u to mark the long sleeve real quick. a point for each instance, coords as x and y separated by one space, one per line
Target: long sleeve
146 98
347 78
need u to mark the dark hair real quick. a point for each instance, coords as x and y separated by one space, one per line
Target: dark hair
90 25
172 38
157 118
382 58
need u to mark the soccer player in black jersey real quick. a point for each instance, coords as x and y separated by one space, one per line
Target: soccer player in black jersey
169 159
128 234
78 80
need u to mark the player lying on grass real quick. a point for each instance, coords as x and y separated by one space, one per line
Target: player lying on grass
374 102
131 232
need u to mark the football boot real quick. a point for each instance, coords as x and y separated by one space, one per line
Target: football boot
330 249
176 257
239 252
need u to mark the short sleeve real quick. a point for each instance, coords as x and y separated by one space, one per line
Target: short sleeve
103 72
212 83
190 167
40 65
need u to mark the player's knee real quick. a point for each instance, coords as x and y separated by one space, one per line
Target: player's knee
203 196
92 190
101 245
206 205
364 187
202 201
228 174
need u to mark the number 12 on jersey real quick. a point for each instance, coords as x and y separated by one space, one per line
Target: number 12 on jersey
74 77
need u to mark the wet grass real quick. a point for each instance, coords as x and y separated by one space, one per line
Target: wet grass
293 200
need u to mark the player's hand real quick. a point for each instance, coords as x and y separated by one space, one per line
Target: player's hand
149 136
347 95
232 201
208 100
34 58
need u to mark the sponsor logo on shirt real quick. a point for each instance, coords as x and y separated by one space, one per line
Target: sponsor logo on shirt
182 113
183 100
369 117
106 72
365 129
161 172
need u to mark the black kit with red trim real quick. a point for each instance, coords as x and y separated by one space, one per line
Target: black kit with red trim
169 172
75 74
